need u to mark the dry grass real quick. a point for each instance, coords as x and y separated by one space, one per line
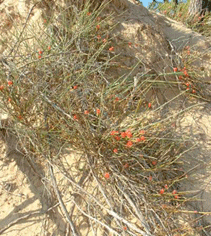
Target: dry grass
59 98
201 24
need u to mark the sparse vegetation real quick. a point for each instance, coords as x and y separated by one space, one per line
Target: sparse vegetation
60 97
198 23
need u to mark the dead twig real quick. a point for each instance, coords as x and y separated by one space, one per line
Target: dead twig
17 220
110 212
61 201
138 213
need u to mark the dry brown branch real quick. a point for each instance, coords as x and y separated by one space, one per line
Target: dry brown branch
138 212
96 220
110 212
61 201
17 220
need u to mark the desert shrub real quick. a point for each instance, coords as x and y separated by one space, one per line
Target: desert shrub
58 96
180 12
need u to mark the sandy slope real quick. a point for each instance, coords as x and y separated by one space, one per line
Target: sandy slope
21 189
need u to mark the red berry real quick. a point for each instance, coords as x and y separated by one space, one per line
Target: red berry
129 134
117 138
129 144
125 228
142 131
162 191
174 192
149 105
98 111
115 150
107 175
138 140
143 138
123 134
75 117
154 163
186 73
113 132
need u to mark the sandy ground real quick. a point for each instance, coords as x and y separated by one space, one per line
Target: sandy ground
24 199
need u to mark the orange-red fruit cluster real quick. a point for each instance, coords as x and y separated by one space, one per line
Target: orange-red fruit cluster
117 138
113 132
129 134
107 175
123 134
129 144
